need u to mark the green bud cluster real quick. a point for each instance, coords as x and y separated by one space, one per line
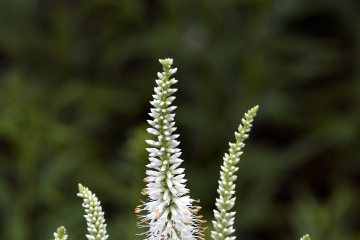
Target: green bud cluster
60 234
224 219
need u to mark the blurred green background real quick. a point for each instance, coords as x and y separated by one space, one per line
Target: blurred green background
76 78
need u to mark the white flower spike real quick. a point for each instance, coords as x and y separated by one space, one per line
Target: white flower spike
94 217
224 219
170 213
60 234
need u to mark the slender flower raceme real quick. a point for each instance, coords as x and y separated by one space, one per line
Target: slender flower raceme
224 219
170 213
94 217
60 234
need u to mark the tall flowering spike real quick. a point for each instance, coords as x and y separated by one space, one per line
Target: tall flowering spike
170 213
94 217
225 219
60 234
306 237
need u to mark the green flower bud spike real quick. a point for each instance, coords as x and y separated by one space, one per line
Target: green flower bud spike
224 219
60 234
94 217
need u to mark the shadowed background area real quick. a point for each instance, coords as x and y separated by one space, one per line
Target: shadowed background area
76 78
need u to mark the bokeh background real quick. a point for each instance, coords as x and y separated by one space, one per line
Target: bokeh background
76 78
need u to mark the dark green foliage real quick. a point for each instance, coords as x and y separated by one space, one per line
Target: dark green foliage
75 81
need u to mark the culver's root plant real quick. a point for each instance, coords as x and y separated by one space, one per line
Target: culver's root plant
169 212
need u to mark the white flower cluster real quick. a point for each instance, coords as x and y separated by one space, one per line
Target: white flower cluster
170 213
224 219
94 217
60 234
